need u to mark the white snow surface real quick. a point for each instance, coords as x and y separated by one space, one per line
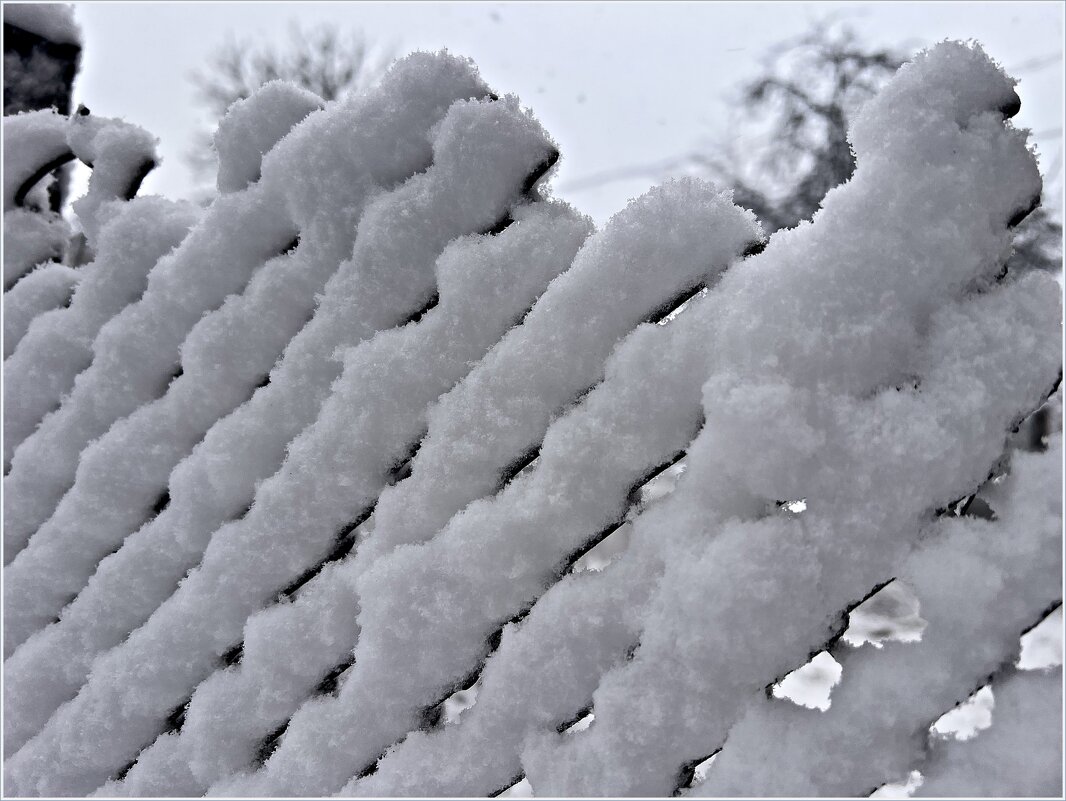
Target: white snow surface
398 273
534 521
708 212
668 240
120 155
825 413
59 345
887 287
252 126
369 291
325 489
979 584
645 410
137 352
32 139
47 287
486 283
31 238
1019 755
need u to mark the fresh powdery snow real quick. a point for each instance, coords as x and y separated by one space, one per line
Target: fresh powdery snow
48 287
1020 755
704 210
120 155
35 142
59 346
289 472
224 357
408 597
137 352
373 289
979 583
30 238
341 463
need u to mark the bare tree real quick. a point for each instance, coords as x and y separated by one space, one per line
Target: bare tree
327 61
800 111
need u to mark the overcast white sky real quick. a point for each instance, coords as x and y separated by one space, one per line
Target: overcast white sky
618 85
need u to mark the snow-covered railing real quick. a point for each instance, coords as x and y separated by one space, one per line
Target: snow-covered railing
411 396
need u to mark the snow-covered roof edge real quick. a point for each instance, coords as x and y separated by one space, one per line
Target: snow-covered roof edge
52 21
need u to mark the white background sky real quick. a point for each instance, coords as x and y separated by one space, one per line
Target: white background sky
618 85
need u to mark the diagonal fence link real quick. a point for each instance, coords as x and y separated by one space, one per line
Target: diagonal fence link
408 505
59 346
143 565
480 432
979 584
869 368
325 664
1020 755
575 445
511 147
496 274
144 570
135 352
47 288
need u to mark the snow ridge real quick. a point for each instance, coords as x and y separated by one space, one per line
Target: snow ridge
979 584
47 287
486 283
412 394
467 189
227 353
59 345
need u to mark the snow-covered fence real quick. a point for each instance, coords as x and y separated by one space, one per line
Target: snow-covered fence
289 474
